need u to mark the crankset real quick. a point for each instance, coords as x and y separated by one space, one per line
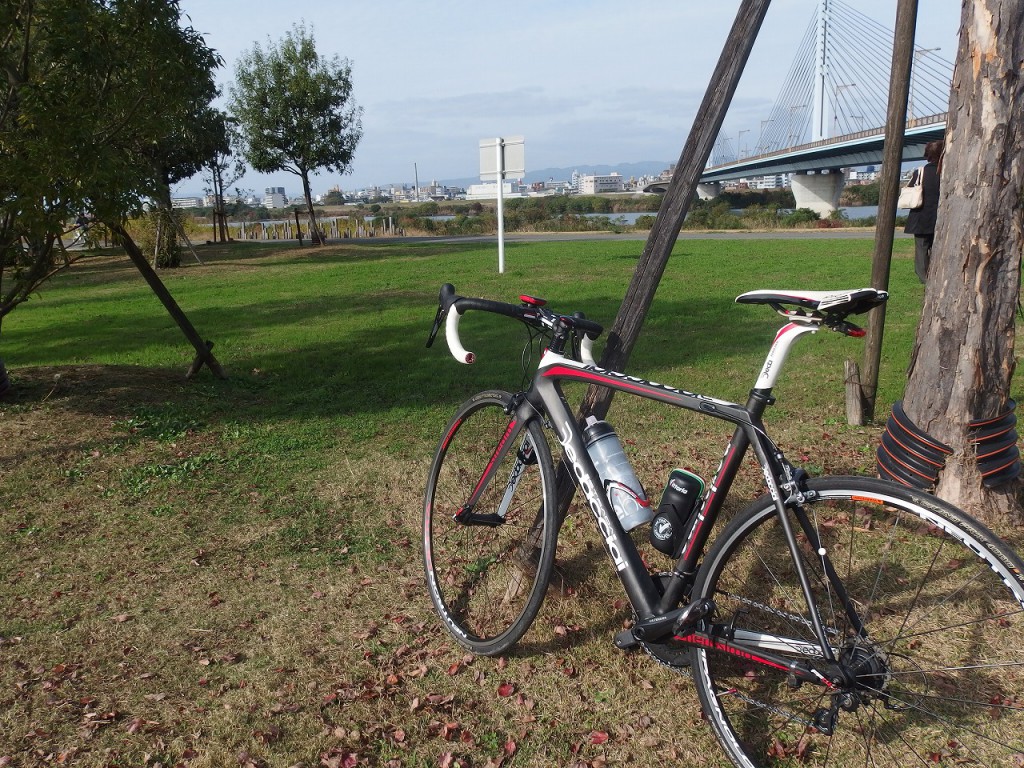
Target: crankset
669 653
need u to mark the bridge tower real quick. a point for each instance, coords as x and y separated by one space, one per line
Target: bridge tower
819 191
819 121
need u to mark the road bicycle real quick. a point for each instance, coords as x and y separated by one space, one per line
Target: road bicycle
845 621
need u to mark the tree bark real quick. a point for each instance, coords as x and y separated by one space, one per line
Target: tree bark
315 236
166 252
963 359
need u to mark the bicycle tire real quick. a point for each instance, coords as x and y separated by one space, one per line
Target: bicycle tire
940 672
487 582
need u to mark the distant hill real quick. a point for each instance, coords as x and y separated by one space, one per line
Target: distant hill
644 168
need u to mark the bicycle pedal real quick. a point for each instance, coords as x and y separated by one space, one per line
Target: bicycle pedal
625 640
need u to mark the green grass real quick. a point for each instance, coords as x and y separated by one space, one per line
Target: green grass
214 573
315 330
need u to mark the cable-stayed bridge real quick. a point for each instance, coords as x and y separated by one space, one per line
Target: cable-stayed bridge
831 110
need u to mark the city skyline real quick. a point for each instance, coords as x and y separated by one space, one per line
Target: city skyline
587 84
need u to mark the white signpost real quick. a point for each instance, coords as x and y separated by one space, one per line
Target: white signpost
498 157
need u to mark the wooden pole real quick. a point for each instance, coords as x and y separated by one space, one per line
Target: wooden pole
184 235
694 157
888 194
203 348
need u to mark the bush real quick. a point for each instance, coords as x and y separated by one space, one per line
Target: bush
800 216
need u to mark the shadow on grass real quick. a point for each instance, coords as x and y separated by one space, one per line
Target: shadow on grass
381 367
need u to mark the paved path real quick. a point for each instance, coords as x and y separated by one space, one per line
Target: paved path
854 233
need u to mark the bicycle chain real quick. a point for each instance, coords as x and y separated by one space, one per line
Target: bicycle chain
791 617
789 716
668 656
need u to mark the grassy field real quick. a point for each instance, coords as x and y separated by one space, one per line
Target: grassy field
216 573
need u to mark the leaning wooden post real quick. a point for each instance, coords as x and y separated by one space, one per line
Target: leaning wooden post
864 389
694 157
203 348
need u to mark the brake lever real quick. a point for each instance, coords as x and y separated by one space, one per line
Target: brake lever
438 319
446 298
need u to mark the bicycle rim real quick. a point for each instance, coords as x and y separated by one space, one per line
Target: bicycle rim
938 676
487 582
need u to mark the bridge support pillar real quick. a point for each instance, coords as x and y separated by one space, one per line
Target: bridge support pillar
709 190
818 191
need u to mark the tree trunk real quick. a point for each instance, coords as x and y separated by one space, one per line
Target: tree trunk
963 360
167 253
315 236
5 383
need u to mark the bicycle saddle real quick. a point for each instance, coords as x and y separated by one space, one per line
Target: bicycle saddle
852 302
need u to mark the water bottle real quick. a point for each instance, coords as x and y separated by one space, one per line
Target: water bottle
679 503
626 494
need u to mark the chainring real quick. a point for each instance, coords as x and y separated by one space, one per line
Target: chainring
671 654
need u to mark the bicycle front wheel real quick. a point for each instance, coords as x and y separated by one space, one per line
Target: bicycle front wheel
488 562
935 676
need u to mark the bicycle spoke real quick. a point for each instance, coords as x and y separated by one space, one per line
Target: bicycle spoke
936 674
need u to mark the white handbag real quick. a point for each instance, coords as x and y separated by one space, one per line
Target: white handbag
912 195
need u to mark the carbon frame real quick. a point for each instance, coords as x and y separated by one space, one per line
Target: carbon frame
546 396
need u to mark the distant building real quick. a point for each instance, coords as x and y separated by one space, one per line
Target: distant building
274 197
595 185
186 202
776 181
490 191
863 176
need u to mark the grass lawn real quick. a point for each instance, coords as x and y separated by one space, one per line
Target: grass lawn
216 573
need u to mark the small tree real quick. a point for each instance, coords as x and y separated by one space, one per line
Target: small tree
96 103
224 169
181 153
295 111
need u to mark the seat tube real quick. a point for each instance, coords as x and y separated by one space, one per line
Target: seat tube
698 535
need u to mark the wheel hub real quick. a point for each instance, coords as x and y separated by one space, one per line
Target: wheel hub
866 669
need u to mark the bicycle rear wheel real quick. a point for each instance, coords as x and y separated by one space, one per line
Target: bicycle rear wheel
938 674
487 575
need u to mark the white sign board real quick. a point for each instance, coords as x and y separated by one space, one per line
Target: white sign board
498 157
512 156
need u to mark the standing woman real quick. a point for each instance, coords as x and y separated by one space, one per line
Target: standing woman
921 221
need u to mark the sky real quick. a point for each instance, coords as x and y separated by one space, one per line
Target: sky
583 81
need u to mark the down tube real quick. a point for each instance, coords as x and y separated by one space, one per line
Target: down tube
628 564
